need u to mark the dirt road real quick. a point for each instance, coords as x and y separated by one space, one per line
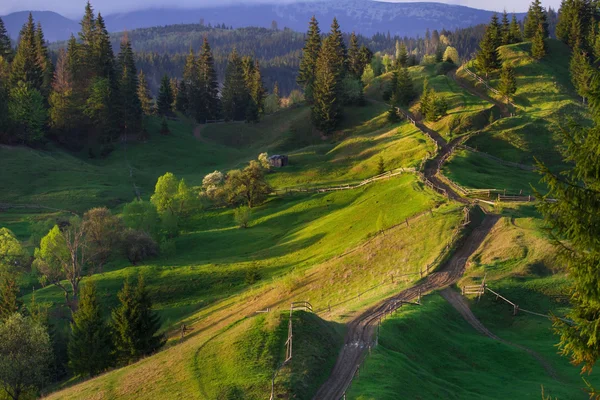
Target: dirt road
361 330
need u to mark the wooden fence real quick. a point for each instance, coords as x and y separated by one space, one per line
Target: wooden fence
386 175
487 85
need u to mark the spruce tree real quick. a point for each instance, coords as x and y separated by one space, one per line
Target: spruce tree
506 37
135 324
494 31
90 345
516 36
87 42
487 57
406 91
63 106
174 82
6 50
575 23
426 102
182 98
208 80
538 44
165 97
257 90
102 52
582 73
144 95
131 107
536 16
25 66
43 61
508 83
354 64
402 56
571 209
192 97
326 108
235 96
308 62
338 49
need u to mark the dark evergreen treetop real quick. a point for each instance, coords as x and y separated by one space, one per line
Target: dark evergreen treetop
6 50
310 53
25 66
536 16
165 97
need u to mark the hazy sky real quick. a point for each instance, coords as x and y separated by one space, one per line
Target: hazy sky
73 8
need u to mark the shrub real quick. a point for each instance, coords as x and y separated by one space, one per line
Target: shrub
242 216
138 246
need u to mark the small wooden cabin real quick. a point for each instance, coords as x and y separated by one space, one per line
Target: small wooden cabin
278 161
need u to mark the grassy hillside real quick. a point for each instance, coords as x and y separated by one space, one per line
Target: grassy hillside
454 359
466 112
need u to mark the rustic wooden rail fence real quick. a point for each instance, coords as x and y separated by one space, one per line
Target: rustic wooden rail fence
487 85
350 186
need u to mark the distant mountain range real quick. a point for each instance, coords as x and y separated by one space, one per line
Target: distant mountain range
363 16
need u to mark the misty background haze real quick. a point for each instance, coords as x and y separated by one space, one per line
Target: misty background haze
74 8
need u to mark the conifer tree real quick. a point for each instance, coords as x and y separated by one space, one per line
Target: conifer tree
506 37
6 50
90 345
572 211
516 36
406 92
582 73
494 31
174 83
87 38
165 97
182 98
538 44
235 96
103 56
63 106
508 83
575 23
354 63
192 97
536 16
487 56
131 108
144 95
338 49
257 90
308 62
209 88
25 66
43 61
135 324
402 56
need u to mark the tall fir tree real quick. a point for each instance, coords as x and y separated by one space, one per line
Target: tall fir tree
575 23
235 95
571 208
516 36
90 345
87 40
63 106
6 50
538 44
135 324
508 82
165 97
487 57
209 85
308 62
354 62
103 55
144 94
257 89
506 37
536 15
192 96
182 97
43 61
327 107
402 56
405 92
582 72
494 31
131 108
25 66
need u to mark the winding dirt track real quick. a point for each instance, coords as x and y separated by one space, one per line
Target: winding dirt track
459 303
361 329
460 82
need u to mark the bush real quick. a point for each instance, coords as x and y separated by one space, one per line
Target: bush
242 216
444 68
138 246
252 276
